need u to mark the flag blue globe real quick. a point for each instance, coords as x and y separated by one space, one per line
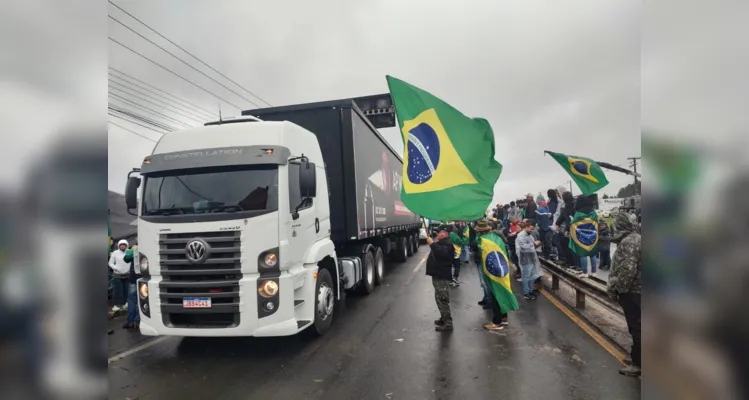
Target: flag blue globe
496 264
423 153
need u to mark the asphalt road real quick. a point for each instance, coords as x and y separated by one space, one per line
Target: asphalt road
382 346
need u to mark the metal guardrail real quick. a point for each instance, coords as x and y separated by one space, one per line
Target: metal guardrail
584 287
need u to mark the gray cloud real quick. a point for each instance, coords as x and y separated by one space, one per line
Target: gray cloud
548 76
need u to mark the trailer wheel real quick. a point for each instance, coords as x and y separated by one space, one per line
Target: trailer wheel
324 302
379 261
409 245
367 284
401 254
415 241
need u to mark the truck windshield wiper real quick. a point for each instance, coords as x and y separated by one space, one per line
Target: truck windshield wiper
166 211
226 208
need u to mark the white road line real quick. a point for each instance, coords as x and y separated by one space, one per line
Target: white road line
136 349
423 260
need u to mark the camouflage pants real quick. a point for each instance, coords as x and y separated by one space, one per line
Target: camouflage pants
442 296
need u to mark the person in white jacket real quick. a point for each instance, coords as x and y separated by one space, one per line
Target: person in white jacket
121 275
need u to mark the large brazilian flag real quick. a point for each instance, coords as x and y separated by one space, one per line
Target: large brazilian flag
497 270
449 170
584 234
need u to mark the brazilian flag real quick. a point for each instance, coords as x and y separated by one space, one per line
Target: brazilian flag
496 267
467 231
449 170
586 173
457 243
584 234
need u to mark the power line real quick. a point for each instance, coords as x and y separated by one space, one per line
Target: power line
190 116
182 61
144 119
190 54
177 75
120 98
165 94
132 131
163 99
112 113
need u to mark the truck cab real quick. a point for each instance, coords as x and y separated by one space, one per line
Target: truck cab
234 232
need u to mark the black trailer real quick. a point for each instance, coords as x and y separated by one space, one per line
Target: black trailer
363 170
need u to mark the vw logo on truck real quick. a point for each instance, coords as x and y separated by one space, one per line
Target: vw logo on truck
196 251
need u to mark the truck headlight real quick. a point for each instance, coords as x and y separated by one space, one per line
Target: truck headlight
143 290
271 259
143 261
268 289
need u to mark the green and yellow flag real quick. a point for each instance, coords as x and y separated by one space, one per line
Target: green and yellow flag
449 170
584 234
586 173
496 267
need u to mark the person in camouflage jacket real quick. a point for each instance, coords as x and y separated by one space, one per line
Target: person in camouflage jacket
625 284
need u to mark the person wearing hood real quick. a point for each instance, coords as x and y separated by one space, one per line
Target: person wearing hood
514 211
553 206
543 218
120 276
562 224
133 314
604 245
625 285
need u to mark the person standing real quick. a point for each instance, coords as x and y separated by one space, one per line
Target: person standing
120 276
496 269
526 247
604 245
133 314
625 285
457 242
514 212
543 218
567 258
439 265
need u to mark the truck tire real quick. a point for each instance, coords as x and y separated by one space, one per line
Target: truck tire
379 261
324 302
401 254
367 284
409 245
416 242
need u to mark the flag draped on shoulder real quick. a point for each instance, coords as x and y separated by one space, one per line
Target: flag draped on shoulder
586 173
496 266
584 234
449 170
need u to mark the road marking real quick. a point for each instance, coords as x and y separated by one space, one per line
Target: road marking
423 260
590 331
136 349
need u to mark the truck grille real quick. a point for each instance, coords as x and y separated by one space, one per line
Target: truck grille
216 277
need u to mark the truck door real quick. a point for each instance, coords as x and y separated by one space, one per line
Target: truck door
303 231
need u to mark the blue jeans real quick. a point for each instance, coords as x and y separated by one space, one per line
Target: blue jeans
605 258
484 283
133 315
465 253
120 291
527 270
593 264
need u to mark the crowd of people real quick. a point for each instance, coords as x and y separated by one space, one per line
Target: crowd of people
532 229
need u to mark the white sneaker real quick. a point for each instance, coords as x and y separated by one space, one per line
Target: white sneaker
115 308
124 307
582 276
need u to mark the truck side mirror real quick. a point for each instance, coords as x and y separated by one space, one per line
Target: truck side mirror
308 179
131 193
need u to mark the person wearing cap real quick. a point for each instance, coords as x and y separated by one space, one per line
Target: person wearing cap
500 306
439 267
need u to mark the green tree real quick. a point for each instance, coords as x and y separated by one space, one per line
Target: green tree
605 196
629 190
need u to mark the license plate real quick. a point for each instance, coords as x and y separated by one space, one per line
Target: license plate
196 302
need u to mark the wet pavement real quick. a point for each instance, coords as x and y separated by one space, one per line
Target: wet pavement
382 346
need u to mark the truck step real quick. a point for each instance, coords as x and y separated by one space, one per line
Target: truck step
298 303
302 324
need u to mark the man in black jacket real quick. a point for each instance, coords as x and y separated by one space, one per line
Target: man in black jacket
439 267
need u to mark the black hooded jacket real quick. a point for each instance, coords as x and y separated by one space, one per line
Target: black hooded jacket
567 212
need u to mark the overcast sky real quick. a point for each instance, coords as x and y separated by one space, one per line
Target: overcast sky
561 76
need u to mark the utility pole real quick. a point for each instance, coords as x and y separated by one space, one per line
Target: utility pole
633 164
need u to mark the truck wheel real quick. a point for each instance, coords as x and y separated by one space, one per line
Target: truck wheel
379 261
324 301
415 241
409 245
367 284
401 254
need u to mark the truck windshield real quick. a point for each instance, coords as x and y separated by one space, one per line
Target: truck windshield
211 190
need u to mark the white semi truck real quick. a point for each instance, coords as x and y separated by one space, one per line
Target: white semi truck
256 225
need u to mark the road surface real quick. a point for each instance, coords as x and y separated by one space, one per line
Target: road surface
382 346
